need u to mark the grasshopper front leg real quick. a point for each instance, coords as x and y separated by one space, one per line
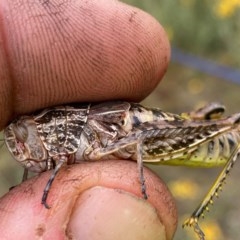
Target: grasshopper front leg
61 161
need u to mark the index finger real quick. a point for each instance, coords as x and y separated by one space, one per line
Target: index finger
55 52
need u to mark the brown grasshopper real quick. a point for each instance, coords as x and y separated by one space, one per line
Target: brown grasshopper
122 130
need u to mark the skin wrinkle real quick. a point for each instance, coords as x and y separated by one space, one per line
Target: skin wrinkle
17 51
83 60
132 44
66 54
78 44
13 48
98 58
6 89
103 57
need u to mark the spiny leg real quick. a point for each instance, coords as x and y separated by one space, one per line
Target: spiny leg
198 231
208 199
62 160
50 164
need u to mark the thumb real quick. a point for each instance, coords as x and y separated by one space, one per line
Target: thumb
100 200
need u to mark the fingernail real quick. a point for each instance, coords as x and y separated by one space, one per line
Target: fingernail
104 213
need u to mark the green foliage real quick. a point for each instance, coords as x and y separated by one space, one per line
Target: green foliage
204 27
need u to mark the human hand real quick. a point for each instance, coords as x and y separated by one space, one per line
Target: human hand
56 52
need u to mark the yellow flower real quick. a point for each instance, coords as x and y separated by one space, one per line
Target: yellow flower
226 8
184 189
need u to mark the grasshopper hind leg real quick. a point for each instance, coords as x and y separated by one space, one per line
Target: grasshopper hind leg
213 192
210 111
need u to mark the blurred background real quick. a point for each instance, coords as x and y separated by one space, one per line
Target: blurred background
205 67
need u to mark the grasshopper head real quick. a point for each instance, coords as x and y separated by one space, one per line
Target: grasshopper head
24 143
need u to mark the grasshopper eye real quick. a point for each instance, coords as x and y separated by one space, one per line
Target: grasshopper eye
124 122
21 132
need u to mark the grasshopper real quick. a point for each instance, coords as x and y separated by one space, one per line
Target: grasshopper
74 133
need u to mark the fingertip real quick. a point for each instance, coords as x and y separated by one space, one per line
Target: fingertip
86 196
141 52
79 51
103 213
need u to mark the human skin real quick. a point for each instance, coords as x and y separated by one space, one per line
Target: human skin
58 52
